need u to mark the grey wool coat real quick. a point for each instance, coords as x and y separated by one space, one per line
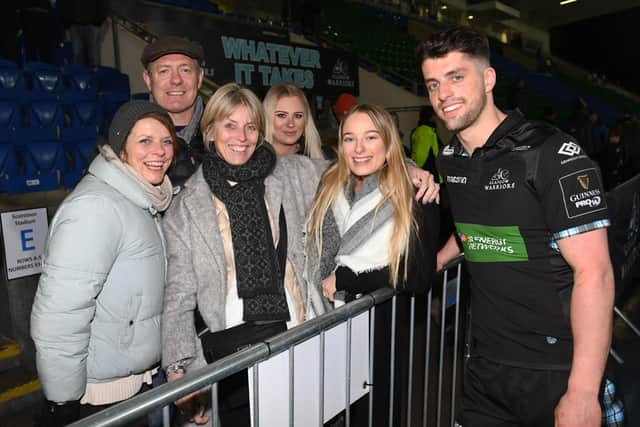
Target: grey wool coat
197 272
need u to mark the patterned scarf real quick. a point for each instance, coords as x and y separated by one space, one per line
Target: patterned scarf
257 268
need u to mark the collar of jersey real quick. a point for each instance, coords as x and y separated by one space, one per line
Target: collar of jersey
513 119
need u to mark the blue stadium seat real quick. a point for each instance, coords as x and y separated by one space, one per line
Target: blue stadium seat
73 135
44 163
8 166
7 63
27 135
24 136
47 81
11 78
30 66
45 113
80 145
80 78
7 136
111 80
86 114
19 95
82 153
10 114
111 101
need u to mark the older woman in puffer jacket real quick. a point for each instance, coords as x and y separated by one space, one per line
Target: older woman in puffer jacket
96 315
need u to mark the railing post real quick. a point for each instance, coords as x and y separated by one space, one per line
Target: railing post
166 416
454 367
427 357
442 333
412 323
321 381
291 385
256 400
372 334
393 358
347 378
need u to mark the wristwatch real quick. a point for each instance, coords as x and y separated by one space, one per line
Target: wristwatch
176 368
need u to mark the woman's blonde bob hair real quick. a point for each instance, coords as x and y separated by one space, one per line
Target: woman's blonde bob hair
313 143
223 103
394 184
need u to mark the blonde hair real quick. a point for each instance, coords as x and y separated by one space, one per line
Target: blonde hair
313 143
222 104
393 182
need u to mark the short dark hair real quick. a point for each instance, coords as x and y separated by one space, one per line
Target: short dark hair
459 39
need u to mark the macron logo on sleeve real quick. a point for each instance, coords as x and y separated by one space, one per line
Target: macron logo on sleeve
569 149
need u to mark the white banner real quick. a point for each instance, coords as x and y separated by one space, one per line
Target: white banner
24 233
273 377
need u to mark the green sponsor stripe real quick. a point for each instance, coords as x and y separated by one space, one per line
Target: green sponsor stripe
486 243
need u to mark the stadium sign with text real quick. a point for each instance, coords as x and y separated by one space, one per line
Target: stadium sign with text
255 55
24 234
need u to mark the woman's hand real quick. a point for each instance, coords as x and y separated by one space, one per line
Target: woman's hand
193 406
428 188
329 287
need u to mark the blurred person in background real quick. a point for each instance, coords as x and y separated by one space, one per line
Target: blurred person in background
425 144
343 104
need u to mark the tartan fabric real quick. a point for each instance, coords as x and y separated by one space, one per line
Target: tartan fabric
612 408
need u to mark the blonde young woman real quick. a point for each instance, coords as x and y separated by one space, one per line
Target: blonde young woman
289 126
365 230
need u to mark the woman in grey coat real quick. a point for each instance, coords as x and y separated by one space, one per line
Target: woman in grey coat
96 315
235 247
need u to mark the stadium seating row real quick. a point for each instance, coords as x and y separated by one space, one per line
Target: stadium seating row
50 121
51 79
72 111
42 162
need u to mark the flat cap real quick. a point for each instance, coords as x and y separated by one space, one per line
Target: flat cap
166 45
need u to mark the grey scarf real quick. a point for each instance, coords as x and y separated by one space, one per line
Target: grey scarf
320 266
159 195
187 132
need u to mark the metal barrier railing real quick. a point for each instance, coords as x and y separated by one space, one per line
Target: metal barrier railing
287 341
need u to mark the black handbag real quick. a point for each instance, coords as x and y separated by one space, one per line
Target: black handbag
216 345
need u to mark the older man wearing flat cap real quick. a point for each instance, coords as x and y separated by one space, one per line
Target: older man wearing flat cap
173 75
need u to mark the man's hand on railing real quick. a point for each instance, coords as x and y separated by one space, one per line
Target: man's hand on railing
194 405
